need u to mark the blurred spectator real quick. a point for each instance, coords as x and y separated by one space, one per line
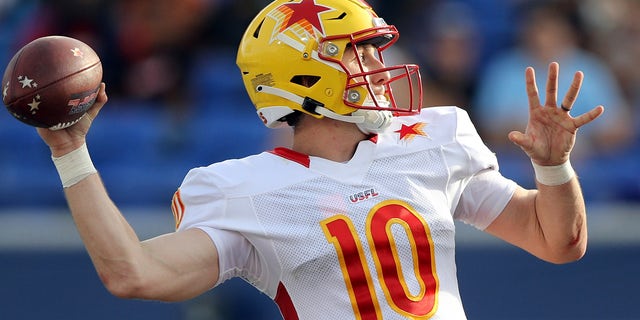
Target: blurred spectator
614 32
146 47
156 40
551 31
448 50
83 20
549 34
611 25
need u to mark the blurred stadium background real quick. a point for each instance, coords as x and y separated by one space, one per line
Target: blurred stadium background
177 102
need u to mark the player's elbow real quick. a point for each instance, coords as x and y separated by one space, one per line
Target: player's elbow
136 285
118 286
570 252
125 285
570 255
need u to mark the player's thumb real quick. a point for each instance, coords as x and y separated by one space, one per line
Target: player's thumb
519 139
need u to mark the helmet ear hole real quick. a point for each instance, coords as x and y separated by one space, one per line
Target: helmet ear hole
305 80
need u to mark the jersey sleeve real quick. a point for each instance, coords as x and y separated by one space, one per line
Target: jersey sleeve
484 198
204 206
479 157
485 192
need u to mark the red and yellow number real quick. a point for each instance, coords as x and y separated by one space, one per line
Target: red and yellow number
340 231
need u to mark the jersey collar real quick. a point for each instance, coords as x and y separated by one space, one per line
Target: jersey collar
302 158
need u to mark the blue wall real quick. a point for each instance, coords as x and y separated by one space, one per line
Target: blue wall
495 282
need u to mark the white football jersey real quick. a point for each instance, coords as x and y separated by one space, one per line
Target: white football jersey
371 238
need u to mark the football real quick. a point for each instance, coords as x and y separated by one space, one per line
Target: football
51 82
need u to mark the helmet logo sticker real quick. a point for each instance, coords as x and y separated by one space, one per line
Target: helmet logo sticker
303 18
263 79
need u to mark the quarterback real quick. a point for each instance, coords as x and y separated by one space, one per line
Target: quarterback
356 219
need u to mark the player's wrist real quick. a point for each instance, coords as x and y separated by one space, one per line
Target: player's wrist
61 149
74 166
554 175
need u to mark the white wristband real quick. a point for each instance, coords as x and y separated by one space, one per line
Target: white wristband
74 166
554 175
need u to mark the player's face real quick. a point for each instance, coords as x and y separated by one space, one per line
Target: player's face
365 59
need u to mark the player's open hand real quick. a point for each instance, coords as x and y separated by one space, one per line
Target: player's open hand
66 140
551 131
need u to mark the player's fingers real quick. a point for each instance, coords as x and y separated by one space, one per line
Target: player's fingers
588 117
101 100
552 85
532 88
572 93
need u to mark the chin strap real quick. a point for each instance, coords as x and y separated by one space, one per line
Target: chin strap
368 121
281 93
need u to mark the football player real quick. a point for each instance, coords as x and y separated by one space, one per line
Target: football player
356 219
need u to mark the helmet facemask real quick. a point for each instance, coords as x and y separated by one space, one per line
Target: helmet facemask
358 92
373 112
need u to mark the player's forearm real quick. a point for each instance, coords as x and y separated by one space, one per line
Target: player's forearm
562 219
110 241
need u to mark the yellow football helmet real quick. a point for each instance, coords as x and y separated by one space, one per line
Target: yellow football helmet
290 59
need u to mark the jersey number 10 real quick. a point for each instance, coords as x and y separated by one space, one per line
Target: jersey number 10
341 232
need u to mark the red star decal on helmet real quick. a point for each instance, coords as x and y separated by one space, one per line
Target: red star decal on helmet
409 132
307 14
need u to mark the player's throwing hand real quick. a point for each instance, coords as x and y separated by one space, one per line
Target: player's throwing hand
66 140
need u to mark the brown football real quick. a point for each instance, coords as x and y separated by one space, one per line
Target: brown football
51 82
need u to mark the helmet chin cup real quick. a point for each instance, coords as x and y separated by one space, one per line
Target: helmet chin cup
375 121
368 121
